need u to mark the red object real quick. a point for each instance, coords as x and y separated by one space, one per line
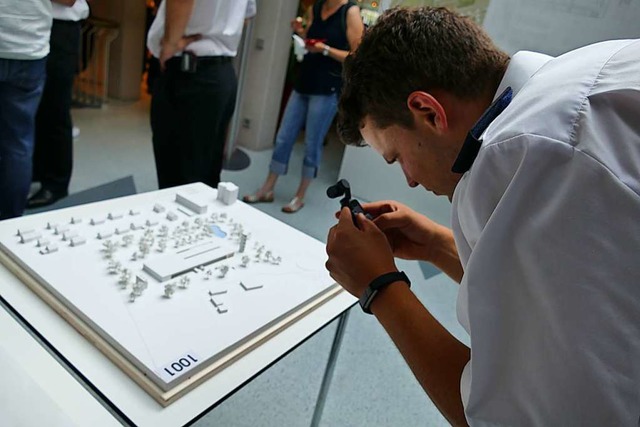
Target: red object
312 42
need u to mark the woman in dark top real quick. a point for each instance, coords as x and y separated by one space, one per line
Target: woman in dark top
336 27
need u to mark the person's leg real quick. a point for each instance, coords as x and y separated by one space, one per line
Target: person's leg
302 187
202 105
21 84
227 74
53 155
163 121
265 192
42 123
322 110
290 126
152 73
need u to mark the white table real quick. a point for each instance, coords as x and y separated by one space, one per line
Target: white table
73 382
53 367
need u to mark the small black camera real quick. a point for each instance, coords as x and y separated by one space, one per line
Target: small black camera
342 188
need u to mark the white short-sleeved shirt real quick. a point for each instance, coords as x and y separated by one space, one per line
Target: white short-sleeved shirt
25 27
547 225
220 23
77 12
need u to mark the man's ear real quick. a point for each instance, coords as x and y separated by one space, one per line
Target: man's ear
426 109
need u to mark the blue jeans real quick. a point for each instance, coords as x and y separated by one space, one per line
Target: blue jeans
315 112
21 83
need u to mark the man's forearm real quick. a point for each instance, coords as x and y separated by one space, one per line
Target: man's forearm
435 357
444 255
177 17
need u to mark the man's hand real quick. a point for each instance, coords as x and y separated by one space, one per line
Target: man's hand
357 255
168 49
410 234
415 237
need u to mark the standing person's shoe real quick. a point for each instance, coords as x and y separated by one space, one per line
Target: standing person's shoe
259 197
293 206
44 197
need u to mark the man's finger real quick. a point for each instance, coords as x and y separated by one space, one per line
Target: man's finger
390 220
363 222
330 237
344 220
376 209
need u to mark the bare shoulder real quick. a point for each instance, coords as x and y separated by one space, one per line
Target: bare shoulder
353 11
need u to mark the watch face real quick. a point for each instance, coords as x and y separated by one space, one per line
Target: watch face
380 283
366 299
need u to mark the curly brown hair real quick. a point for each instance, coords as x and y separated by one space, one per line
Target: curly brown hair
411 49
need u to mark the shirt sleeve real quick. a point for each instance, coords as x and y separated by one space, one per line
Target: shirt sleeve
251 9
550 300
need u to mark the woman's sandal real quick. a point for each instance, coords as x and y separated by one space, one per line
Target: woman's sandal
293 206
259 198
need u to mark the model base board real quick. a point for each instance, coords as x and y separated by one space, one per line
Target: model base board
171 285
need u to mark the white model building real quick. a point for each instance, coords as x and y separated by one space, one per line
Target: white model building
227 192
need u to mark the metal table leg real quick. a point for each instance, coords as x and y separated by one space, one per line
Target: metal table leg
328 373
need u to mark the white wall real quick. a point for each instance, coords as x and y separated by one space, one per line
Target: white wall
557 26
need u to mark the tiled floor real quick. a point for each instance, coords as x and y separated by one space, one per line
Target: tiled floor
372 385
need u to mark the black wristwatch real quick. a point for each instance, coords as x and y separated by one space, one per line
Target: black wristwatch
377 285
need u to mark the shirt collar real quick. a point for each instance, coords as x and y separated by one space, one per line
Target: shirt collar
522 67
473 141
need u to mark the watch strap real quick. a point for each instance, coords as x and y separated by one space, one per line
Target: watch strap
378 284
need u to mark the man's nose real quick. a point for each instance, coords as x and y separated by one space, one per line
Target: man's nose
410 182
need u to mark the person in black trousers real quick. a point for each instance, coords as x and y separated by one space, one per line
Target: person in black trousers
53 154
191 106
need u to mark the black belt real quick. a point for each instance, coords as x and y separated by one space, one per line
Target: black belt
204 60
66 22
214 59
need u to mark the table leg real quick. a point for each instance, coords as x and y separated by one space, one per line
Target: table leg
328 372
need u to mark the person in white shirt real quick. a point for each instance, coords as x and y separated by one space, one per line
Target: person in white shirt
541 159
24 44
193 101
53 154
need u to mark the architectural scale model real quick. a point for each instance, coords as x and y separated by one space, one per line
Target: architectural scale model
172 284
